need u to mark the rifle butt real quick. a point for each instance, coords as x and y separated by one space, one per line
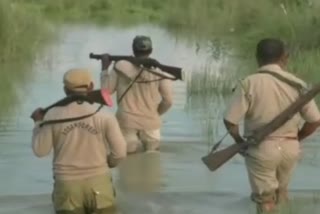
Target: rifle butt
101 96
213 161
175 71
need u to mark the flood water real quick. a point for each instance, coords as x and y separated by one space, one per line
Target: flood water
176 181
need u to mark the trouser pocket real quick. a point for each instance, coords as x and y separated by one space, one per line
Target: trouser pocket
67 196
104 203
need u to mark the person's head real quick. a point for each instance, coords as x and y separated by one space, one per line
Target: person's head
77 81
142 46
271 51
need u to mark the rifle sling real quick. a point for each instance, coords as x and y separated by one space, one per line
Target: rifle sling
289 82
69 119
130 85
298 87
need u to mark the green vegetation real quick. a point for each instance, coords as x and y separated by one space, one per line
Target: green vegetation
21 32
231 29
21 36
235 26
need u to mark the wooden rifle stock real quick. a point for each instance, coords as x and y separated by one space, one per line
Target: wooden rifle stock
216 159
146 62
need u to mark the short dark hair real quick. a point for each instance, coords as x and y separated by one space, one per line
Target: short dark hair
138 53
269 50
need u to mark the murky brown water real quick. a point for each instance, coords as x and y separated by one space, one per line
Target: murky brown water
178 181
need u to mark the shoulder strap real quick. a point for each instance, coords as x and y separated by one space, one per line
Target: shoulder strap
292 83
69 119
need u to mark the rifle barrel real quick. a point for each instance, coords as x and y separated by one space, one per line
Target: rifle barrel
174 71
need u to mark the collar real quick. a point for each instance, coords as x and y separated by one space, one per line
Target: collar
271 67
277 69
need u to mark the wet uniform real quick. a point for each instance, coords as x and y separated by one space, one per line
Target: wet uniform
82 178
259 98
139 111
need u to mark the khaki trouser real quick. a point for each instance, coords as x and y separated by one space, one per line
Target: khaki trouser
270 166
94 195
141 140
141 172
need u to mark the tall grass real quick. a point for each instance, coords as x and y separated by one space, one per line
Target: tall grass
21 31
239 25
230 28
21 35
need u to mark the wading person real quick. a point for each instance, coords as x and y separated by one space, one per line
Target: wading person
258 99
142 98
84 150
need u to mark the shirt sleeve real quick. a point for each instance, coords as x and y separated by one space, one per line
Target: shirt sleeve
115 139
310 112
42 140
166 91
239 104
109 80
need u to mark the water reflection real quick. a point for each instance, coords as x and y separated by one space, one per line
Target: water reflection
174 181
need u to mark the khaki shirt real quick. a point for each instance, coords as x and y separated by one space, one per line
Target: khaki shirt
261 97
80 147
144 103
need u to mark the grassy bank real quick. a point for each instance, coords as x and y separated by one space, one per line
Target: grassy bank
21 31
228 29
22 34
231 29
235 26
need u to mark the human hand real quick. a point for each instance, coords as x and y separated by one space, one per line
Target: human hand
105 61
37 115
243 152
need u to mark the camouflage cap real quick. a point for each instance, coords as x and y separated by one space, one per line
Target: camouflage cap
142 43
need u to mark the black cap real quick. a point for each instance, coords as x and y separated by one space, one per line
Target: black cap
142 43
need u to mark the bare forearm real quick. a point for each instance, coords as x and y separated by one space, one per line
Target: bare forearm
112 162
163 107
233 130
307 130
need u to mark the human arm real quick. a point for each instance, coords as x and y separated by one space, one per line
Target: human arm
233 130
166 92
108 80
307 130
116 142
311 115
42 139
236 110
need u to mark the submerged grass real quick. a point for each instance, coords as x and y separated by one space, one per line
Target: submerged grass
239 25
230 29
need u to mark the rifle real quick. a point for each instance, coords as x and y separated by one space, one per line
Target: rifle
216 159
101 96
146 62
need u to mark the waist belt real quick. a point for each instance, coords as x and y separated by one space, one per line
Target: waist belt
284 137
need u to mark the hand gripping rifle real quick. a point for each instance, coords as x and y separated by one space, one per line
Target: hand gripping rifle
216 159
146 62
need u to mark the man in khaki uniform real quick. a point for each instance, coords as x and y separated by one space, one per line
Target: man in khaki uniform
259 98
142 98
84 150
